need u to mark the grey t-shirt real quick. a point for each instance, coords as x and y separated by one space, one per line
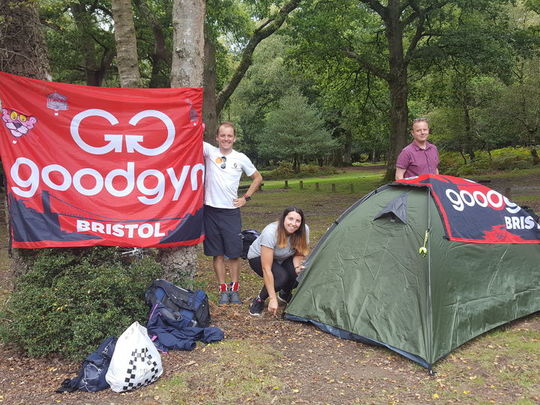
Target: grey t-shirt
268 238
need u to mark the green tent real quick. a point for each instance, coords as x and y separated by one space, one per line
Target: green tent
370 279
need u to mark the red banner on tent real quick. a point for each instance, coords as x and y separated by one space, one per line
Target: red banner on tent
474 213
100 166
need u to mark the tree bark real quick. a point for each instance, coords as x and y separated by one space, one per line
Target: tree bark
186 71
399 89
22 44
23 52
126 44
188 43
209 100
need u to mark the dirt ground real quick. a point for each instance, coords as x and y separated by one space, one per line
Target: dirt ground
320 368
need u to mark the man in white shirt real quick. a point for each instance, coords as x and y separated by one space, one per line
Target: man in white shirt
222 220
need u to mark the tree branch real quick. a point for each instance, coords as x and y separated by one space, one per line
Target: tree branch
367 65
378 8
266 29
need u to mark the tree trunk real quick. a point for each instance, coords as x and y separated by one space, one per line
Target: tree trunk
209 100
465 158
23 52
186 71
95 66
347 148
468 141
126 44
160 55
399 90
188 43
534 154
22 45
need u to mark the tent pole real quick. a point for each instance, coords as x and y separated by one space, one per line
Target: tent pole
429 303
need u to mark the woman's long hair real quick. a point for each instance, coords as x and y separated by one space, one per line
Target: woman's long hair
298 238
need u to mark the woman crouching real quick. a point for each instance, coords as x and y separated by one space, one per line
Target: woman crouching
277 255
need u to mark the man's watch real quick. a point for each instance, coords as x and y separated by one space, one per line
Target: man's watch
247 197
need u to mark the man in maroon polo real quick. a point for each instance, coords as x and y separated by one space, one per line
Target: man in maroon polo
420 156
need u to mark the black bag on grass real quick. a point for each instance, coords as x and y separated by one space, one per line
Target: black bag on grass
189 306
248 237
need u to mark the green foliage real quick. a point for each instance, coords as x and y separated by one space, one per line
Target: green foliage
511 158
453 163
284 170
295 131
70 300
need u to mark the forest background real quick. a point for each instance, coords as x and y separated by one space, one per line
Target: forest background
311 85
321 82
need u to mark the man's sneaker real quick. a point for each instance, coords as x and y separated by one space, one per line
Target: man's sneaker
224 298
284 296
256 307
234 297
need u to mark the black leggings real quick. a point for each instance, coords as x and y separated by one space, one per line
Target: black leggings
284 275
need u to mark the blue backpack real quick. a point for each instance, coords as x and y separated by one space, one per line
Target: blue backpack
179 304
91 376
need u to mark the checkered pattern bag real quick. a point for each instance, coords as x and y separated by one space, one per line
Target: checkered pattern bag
135 362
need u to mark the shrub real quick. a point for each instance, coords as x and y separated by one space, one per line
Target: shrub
284 170
511 158
500 159
70 300
307 170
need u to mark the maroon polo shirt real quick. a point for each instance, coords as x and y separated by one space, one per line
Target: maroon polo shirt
417 161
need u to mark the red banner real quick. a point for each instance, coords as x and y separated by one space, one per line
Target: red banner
100 166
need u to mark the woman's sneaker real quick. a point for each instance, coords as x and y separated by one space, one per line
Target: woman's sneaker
284 296
256 307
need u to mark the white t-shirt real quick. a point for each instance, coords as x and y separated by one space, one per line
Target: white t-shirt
268 238
221 183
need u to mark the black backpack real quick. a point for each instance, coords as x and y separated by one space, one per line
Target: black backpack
248 237
91 376
189 306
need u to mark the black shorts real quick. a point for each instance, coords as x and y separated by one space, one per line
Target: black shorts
223 230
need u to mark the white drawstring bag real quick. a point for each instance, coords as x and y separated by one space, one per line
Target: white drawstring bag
135 361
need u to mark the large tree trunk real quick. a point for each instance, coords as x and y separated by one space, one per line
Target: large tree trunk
399 112
209 101
187 71
126 44
23 52
188 43
22 45
399 91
